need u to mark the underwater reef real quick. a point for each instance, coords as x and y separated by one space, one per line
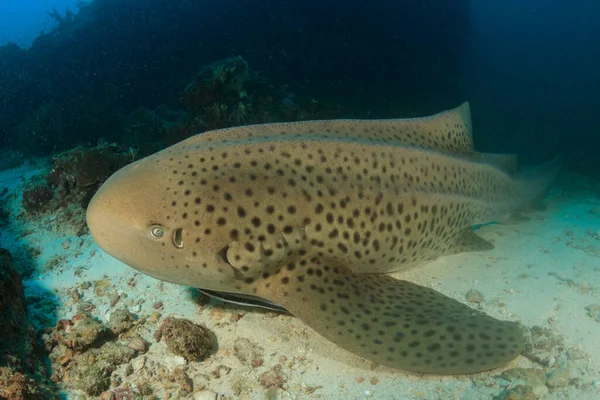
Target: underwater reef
82 80
23 372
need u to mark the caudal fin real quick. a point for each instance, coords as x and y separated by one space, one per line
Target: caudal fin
538 182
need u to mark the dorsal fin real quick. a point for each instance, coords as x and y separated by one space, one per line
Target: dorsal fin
448 131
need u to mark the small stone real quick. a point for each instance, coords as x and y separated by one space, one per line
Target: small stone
312 389
575 353
201 381
139 363
249 353
277 393
157 305
541 391
271 378
137 343
560 377
172 361
80 332
114 299
108 395
85 307
216 314
145 389
235 317
474 296
182 379
220 371
530 376
374 381
100 287
93 379
184 338
543 345
519 392
155 317
205 395
594 311
66 244
120 321
114 353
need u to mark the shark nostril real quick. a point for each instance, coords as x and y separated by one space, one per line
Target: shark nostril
157 232
178 238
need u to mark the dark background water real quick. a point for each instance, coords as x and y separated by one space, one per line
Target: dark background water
532 76
529 67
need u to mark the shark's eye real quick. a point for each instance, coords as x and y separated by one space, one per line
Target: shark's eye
178 238
157 231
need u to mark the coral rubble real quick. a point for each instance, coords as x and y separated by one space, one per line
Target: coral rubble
184 338
84 353
23 375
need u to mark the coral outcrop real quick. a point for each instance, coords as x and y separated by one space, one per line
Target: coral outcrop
23 374
85 353
72 180
184 338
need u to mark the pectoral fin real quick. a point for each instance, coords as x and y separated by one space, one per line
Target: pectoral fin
393 322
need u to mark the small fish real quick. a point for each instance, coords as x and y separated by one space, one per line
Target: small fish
311 216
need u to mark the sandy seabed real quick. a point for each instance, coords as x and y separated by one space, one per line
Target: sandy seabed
544 272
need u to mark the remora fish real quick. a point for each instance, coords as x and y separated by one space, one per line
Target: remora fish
310 216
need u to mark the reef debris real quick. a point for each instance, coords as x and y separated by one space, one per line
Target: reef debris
23 374
184 338
84 353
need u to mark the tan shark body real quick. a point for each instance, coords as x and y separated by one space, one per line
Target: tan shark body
311 215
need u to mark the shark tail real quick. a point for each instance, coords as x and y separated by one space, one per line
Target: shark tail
538 182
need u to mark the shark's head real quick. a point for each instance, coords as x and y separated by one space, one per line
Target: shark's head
144 218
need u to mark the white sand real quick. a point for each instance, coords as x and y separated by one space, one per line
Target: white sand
542 272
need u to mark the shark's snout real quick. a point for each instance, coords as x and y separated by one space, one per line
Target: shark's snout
107 216
119 214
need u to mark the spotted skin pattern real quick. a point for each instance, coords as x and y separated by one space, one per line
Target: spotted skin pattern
312 215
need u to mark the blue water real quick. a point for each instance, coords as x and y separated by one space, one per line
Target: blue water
21 21
533 71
